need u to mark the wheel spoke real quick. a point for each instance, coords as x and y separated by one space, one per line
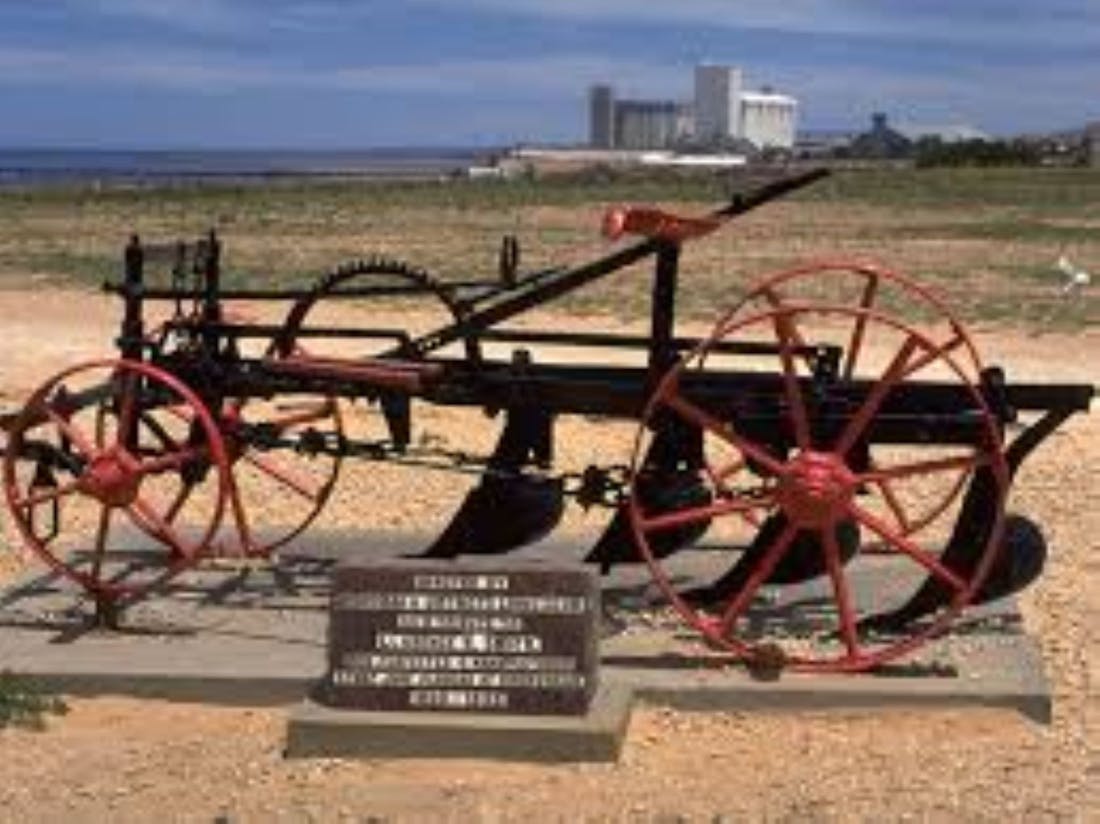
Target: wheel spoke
892 501
694 415
759 575
306 488
316 413
684 517
100 542
965 462
240 516
894 373
718 476
143 511
160 432
170 461
934 354
48 494
907 547
74 435
795 403
855 343
181 498
842 592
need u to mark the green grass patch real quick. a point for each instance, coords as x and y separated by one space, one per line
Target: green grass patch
24 704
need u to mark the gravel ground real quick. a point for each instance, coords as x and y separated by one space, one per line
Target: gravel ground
120 759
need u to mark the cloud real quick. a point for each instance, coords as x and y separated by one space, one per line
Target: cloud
984 21
996 97
202 71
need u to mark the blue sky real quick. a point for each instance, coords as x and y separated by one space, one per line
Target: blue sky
352 73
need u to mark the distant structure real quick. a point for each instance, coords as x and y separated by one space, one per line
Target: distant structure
601 117
768 119
945 133
650 124
722 114
717 103
881 142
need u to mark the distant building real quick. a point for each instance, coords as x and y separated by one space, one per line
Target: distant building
650 124
881 141
722 115
950 133
601 117
717 103
768 120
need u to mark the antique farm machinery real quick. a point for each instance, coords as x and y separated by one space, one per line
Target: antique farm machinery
837 419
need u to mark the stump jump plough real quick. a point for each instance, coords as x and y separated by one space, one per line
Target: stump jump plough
838 419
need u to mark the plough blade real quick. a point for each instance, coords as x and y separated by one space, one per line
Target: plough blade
500 514
1018 563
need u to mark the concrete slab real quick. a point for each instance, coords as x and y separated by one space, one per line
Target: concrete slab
315 731
257 637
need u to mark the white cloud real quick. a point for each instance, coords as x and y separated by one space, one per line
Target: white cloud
530 77
979 21
989 96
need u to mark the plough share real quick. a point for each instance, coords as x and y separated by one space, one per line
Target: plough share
838 419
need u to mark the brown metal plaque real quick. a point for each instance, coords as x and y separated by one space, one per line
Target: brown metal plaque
466 636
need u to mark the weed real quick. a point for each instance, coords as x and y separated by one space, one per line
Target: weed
24 704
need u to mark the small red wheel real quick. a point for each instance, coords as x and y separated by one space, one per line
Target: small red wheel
809 481
107 444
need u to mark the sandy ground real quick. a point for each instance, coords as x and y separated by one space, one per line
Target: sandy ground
114 759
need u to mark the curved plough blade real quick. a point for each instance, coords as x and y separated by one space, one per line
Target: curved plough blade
501 513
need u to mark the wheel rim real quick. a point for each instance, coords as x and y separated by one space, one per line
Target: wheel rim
814 489
115 458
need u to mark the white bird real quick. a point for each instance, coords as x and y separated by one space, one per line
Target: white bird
1076 279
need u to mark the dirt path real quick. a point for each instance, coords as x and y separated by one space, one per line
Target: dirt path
119 760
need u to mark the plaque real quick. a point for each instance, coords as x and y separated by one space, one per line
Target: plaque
473 635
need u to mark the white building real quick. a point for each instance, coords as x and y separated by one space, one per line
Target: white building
717 102
724 109
768 120
721 112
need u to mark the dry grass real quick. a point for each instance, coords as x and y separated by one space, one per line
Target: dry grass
989 238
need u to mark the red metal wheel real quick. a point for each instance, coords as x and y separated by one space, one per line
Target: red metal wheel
872 287
810 480
110 444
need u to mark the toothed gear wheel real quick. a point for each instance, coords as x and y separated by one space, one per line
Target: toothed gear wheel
374 267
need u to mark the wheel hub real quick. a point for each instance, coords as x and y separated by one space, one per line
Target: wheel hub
816 490
111 479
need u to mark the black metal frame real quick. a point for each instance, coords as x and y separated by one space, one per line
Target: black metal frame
533 394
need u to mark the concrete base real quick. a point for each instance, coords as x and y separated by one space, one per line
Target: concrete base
235 635
315 731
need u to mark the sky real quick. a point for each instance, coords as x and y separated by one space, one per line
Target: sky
361 73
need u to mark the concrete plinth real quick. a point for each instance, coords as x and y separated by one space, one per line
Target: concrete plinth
258 637
316 731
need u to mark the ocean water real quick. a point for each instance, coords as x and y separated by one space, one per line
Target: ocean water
22 167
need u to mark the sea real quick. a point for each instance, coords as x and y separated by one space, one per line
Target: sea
45 167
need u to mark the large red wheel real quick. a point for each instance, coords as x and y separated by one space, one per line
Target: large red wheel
105 455
870 286
802 581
